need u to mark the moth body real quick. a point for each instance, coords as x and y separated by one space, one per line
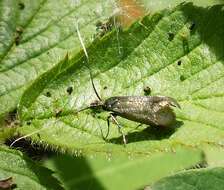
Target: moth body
150 110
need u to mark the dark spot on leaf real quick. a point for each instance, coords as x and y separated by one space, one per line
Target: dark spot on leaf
38 134
17 40
179 62
69 90
21 5
7 183
48 94
11 118
185 43
98 24
93 113
28 122
147 90
19 31
192 26
170 36
105 87
58 113
182 78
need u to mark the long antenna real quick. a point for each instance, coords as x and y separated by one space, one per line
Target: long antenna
87 58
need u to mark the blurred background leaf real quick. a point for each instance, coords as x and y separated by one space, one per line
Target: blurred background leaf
119 172
24 173
206 179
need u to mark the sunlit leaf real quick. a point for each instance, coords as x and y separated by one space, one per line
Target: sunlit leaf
177 53
36 35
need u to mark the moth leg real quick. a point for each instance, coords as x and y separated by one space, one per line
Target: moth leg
119 128
139 125
108 127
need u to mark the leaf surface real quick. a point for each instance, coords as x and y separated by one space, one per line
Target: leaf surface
207 179
36 35
177 53
24 173
96 173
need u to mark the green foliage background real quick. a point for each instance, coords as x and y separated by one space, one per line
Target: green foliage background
177 52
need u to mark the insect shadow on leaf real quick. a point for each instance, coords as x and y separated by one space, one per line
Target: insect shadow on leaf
150 133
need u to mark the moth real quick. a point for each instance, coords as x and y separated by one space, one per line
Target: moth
150 110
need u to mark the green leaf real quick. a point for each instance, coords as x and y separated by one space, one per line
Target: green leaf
214 156
153 6
177 53
96 173
206 179
36 35
24 172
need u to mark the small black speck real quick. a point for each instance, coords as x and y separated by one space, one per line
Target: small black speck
179 62
93 114
170 36
69 90
98 24
21 6
105 87
28 122
147 90
58 113
182 78
38 134
48 94
192 26
19 30
17 40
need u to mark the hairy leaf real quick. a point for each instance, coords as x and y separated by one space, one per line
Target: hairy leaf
22 173
153 6
36 35
177 53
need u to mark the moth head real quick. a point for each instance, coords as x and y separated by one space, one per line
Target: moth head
96 104
110 104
